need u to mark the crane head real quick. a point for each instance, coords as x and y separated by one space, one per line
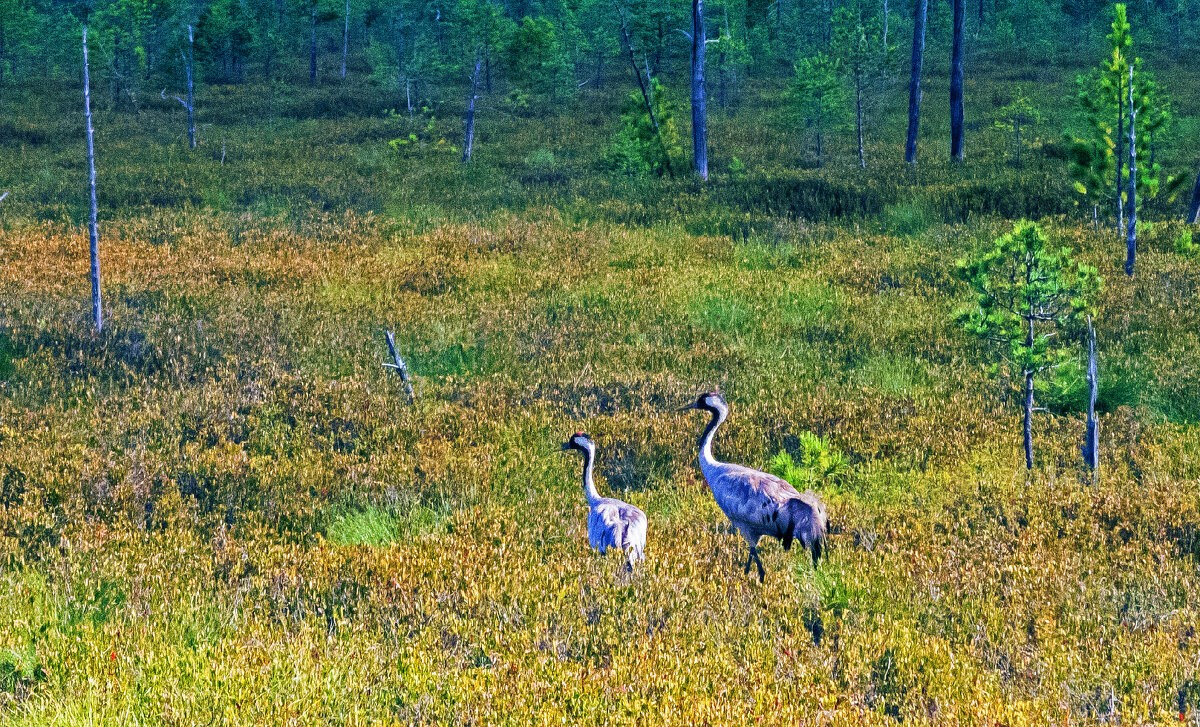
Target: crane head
579 441
710 401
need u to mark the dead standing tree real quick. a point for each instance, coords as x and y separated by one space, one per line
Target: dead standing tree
190 104
345 38
399 366
93 221
469 124
1193 216
1091 440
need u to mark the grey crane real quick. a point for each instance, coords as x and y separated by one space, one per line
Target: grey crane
611 523
758 503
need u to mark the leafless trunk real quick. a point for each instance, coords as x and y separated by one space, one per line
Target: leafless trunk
312 48
93 220
1027 422
956 83
820 145
399 366
914 85
858 120
1091 442
699 94
1131 232
885 23
470 122
3 53
1193 216
345 38
1017 138
191 101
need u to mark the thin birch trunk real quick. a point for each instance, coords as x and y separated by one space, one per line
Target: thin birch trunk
345 38
312 48
469 132
93 219
191 101
1091 442
858 120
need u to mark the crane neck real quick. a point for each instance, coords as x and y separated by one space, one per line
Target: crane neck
706 453
589 484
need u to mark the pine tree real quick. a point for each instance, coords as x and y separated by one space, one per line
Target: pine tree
1098 159
1026 292
859 43
817 97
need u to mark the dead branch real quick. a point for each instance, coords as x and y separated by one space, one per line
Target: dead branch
399 365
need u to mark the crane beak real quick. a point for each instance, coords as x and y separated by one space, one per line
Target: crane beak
689 406
565 446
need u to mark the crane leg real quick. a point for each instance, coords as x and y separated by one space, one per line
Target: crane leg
749 562
762 573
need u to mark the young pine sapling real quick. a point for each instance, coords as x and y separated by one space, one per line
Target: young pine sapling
1028 294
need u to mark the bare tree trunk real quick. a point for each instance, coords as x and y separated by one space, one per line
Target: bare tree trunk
93 219
1131 232
345 38
914 84
956 83
1017 138
470 122
885 23
1091 441
1194 210
699 93
312 48
820 149
858 120
3 53
191 101
1027 424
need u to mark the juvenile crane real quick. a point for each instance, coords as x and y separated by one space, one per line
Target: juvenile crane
757 503
611 523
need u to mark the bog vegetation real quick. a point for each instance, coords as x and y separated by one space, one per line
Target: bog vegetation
222 509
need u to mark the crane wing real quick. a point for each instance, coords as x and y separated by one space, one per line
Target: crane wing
753 499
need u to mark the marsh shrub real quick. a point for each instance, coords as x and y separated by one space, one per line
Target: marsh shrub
821 465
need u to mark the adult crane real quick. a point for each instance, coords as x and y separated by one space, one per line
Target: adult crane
758 504
611 523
